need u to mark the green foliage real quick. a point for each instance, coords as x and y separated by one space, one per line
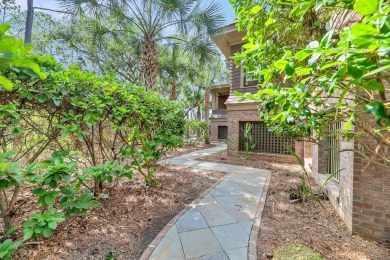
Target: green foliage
42 224
8 247
113 255
325 76
249 140
13 53
10 172
74 132
198 128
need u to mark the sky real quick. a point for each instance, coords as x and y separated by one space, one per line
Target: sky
52 4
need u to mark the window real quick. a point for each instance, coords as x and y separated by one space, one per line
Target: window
249 81
222 132
334 151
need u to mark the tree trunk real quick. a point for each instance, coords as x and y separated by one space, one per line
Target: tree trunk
149 65
206 111
29 21
4 213
173 91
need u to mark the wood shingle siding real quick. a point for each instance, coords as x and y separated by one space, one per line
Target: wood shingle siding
235 72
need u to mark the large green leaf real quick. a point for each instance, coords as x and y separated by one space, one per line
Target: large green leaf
366 7
374 85
360 29
6 83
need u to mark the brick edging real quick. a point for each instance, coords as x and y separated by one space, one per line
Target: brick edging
149 250
252 248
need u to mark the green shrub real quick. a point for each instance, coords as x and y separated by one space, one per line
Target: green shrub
68 132
197 128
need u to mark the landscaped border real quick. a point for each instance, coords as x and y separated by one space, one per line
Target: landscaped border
254 235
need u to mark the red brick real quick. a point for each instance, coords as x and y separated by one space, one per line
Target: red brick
375 201
363 217
362 205
385 208
372 213
383 222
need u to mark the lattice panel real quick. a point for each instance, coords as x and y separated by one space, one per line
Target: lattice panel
261 140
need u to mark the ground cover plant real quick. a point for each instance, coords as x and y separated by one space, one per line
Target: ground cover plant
66 134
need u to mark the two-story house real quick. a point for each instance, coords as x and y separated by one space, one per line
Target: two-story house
230 116
360 191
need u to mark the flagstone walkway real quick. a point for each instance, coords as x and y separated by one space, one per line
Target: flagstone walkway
222 224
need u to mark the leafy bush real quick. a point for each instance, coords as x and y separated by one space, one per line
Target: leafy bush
337 71
67 133
42 224
8 247
332 66
197 128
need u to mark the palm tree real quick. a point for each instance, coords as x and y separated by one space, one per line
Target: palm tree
157 21
177 69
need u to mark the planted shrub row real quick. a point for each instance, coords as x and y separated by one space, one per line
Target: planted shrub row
65 133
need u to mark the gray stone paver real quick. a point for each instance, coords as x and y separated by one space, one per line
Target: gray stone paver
215 256
217 216
219 225
229 201
169 247
192 220
199 243
231 236
237 254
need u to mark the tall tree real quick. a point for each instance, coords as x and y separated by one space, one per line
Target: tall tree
29 21
153 21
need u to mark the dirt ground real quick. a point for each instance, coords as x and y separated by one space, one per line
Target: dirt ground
305 223
127 222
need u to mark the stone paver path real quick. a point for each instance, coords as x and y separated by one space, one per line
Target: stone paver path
220 224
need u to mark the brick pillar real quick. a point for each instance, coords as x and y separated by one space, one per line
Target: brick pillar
320 157
308 148
300 150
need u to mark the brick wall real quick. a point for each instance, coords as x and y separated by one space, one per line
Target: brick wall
320 157
371 191
214 129
234 117
307 149
362 198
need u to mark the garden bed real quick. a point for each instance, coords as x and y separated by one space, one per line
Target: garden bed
128 220
307 223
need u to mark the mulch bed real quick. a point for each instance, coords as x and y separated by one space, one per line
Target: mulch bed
306 223
128 220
